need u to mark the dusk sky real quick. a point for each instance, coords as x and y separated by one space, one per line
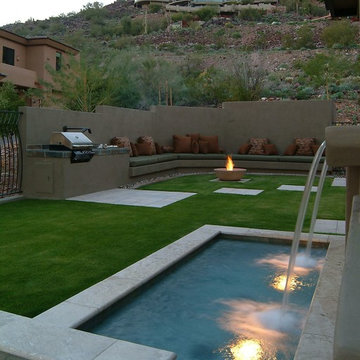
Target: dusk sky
23 10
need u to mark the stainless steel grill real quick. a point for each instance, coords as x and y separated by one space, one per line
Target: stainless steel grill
77 142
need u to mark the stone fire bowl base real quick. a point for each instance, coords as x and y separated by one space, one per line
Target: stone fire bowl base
231 175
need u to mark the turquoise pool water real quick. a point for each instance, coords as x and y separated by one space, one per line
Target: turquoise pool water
208 307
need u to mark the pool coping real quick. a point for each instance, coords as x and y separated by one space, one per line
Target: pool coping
60 322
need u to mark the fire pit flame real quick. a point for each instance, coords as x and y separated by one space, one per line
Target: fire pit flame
229 164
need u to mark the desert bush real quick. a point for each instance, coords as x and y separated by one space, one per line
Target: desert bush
95 13
304 92
155 25
154 8
182 16
341 33
251 14
246 83
9 97
236 35
305 38
207 12
123 42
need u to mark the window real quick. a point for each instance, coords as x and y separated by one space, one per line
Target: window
58 61
8 56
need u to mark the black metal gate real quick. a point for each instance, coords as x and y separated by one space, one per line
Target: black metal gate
10 153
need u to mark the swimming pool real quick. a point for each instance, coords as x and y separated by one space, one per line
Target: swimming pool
203 309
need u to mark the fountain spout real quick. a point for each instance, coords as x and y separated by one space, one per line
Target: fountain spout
300 219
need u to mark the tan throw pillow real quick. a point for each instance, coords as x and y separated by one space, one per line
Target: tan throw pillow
290 150
149 140
194 137
270 149
203 147
195 147
244 149
122 141
213 143
134 150
257 146
182 144
158 148
315 148
144 148
304 146
167 149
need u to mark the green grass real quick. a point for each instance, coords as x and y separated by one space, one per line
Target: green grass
50 250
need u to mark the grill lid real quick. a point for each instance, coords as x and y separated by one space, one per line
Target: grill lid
71 140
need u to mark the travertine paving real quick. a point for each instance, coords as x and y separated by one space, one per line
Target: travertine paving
339 182
235 191
149 198
295 188
330 226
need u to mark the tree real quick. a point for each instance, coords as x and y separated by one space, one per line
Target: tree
78 87
9 97
246 84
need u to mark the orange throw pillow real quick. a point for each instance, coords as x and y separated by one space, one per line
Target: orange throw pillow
182 144
290 150
203 147
195 147
144 148
213 143
270 149
244 149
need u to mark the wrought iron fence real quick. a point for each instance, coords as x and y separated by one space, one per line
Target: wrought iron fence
10 153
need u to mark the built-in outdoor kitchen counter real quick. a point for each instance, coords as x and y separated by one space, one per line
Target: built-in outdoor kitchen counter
54 174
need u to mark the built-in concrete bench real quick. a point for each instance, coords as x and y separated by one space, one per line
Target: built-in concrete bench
143 165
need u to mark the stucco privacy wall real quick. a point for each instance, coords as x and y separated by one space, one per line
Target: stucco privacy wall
279 121
235 123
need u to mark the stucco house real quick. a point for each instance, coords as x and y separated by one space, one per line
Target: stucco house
23 61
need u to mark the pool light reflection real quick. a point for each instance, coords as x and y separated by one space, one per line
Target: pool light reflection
247 350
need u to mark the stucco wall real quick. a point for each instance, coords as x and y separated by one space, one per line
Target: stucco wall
235 123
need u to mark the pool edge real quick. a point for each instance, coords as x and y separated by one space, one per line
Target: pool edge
81 307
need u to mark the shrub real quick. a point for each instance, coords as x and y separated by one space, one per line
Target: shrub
123 42
9 98
95 12
220 33
305 38
341 32
154 8
207 12
236 35
251 14
304 92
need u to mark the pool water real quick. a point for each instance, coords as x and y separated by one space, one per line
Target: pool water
204 308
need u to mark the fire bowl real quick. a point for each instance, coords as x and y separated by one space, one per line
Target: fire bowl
230 175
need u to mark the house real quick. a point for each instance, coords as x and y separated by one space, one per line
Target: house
23 61
340 8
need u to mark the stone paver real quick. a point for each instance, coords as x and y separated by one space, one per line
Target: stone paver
339 182
295 188
238 191
330 226
148 198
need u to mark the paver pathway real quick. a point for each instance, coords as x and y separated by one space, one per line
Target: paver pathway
149 198
330 226
295 188
238 191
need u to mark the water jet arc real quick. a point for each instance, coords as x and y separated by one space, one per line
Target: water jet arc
301 216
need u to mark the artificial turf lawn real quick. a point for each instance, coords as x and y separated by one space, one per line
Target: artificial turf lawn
51 250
